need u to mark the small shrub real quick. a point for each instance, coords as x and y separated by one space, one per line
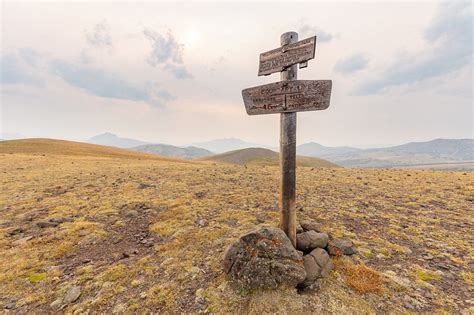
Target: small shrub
361 278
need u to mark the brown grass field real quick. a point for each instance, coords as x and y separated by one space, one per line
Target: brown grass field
146 234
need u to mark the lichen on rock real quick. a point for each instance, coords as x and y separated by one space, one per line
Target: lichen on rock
264 259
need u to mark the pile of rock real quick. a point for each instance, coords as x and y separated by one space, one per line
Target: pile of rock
266 258
316 248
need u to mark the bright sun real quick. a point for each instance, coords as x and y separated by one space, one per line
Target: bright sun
191 38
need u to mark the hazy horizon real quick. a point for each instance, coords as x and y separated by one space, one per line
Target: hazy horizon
402 72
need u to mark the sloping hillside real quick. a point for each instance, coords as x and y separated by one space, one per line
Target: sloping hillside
228 144
259 156
187 153
71 148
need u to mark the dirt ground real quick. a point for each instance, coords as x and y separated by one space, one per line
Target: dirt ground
143 235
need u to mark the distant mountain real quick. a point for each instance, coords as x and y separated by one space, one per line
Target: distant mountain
459 149
419 154
188 153
112 140
228 144
260 156
316 149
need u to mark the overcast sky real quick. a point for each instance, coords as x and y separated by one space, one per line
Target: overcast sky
173 73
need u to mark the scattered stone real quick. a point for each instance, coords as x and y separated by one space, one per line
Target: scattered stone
341 246
311 288
56 303
10 306
199 195
16 231
72 295
46 224
264 259
260 218
202 223
309 225
60 220
144 186
310 240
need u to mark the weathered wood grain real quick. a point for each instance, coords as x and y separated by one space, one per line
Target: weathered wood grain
288 96
288 154
277 60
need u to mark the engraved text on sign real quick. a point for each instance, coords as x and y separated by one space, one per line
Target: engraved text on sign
287 96
277 60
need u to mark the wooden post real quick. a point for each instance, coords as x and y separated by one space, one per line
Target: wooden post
288 154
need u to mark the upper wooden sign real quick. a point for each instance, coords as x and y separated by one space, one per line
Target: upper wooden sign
287 96
279 59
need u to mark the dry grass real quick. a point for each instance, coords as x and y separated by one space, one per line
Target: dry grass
359 277
402 221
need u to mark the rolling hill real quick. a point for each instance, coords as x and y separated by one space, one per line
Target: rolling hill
228 144
40 146
260 156
112 140
187 153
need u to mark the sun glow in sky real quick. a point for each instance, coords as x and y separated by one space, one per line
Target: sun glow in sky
173 72
191 38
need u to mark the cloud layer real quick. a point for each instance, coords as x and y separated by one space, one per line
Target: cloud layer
104 84
351 64
450 47
167 52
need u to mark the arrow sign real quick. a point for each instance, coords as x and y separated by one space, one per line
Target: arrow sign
287 97
279 59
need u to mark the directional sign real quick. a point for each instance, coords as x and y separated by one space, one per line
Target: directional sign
279 59
287 97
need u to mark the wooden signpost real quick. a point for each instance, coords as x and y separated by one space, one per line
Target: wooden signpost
288 97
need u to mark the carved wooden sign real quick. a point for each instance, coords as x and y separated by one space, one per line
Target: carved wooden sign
277 60
287 97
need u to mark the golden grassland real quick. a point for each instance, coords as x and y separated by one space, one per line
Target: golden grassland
413 230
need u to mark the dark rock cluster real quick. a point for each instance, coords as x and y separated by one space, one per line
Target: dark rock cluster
266 258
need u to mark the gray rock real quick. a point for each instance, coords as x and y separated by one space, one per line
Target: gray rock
43 224
309 240
299 228
313 270
320 256
327 268
10 306
317 265
16 231
311 288
310 225
72 295
60 220
56 303
341 246
264 259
